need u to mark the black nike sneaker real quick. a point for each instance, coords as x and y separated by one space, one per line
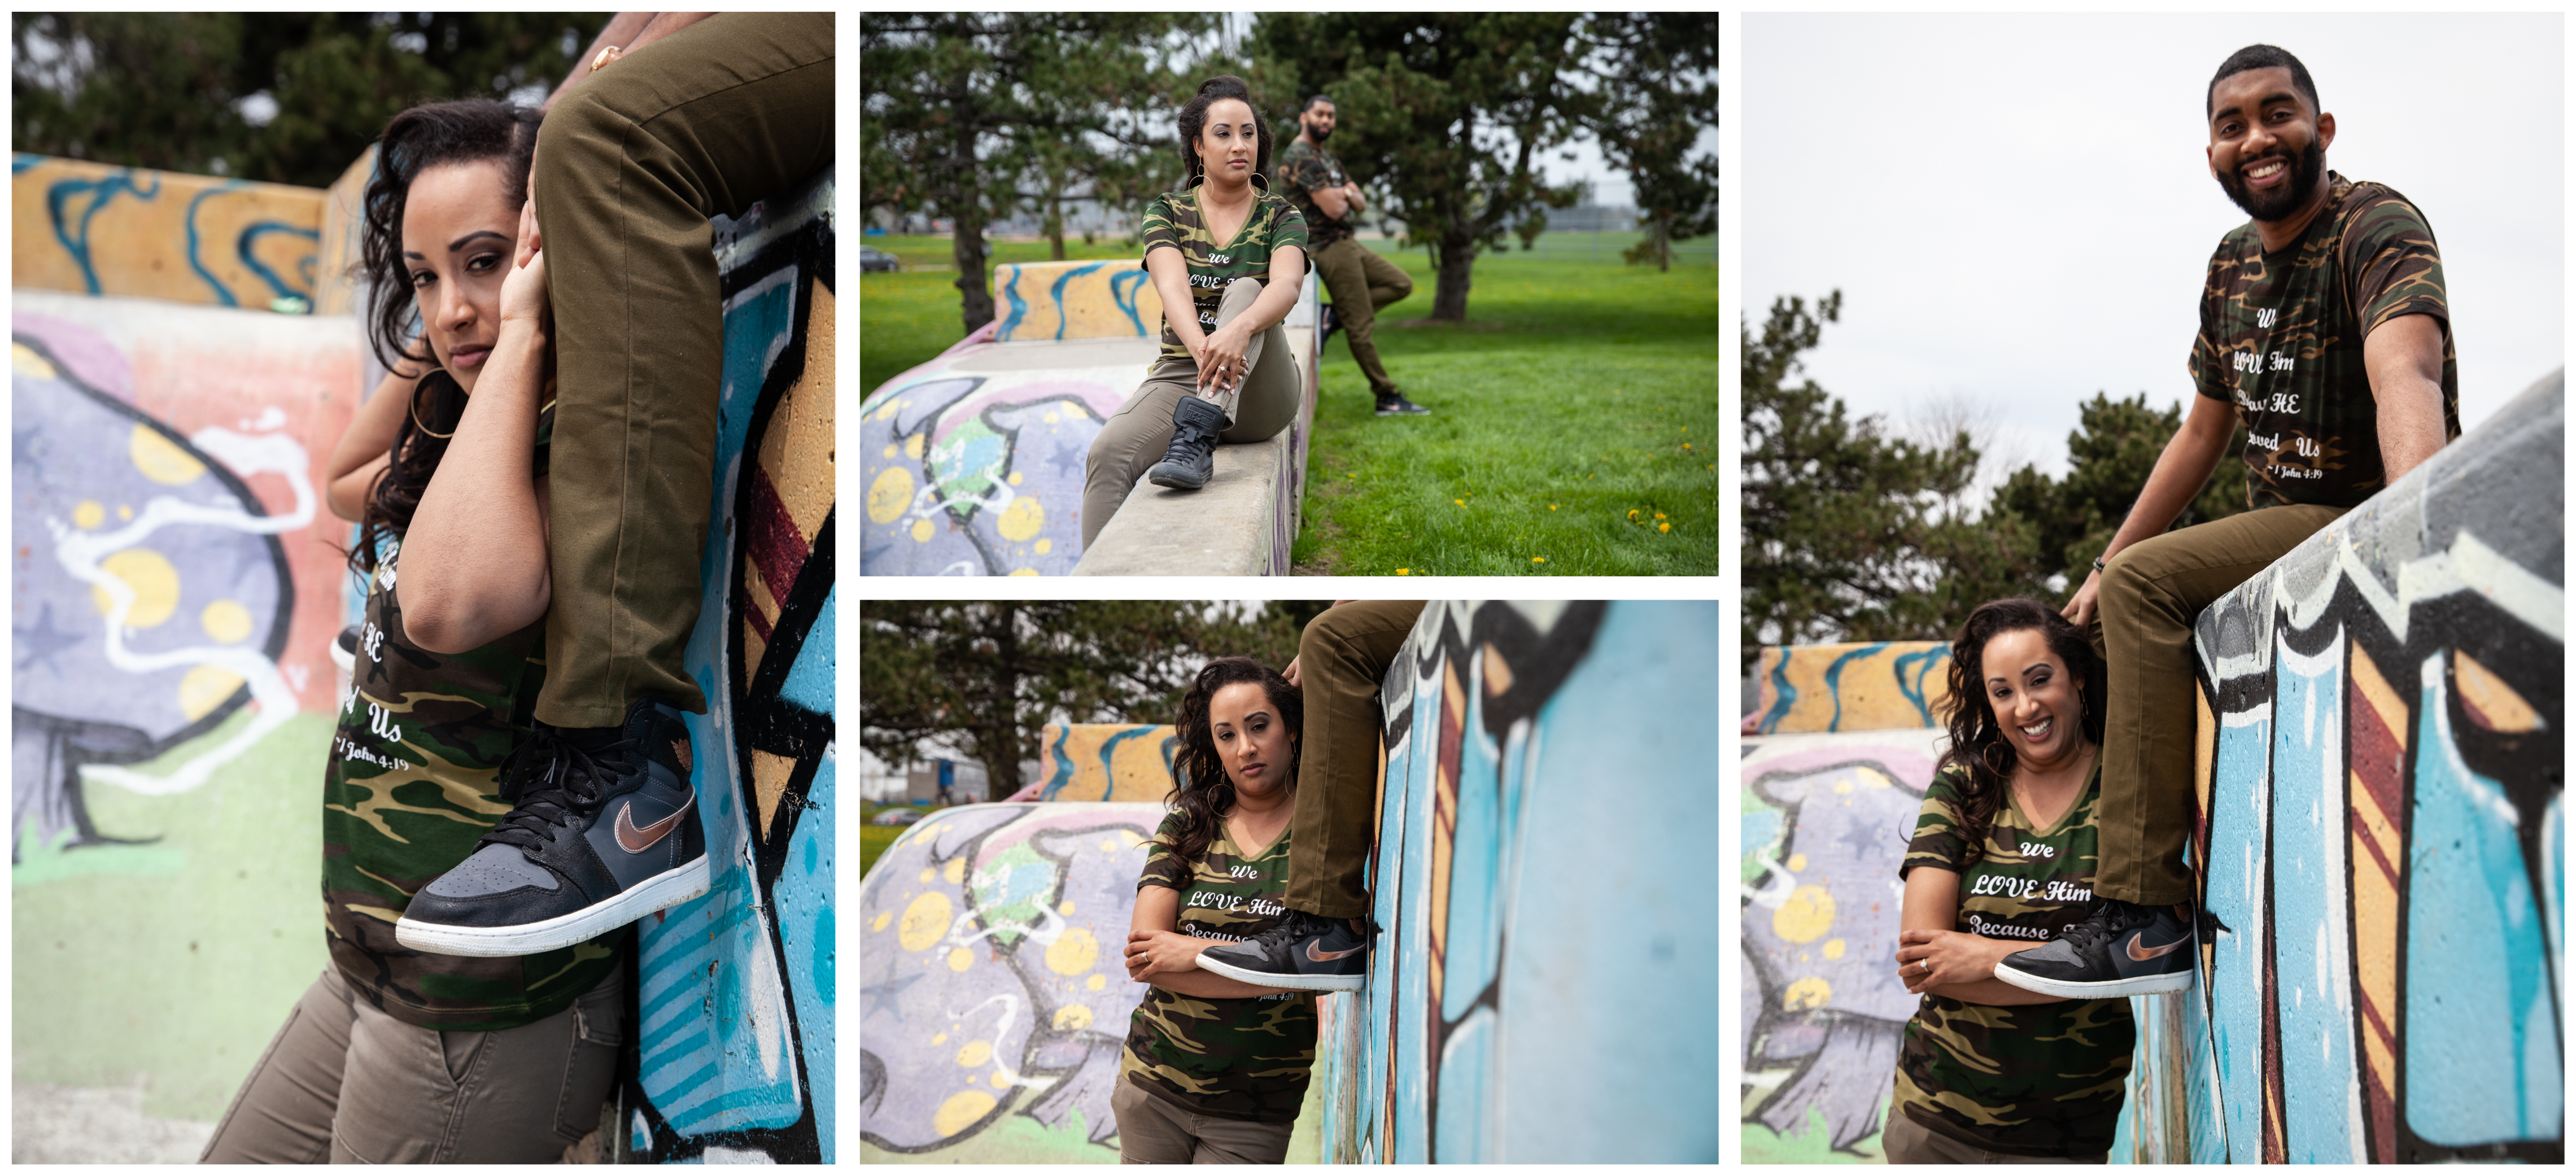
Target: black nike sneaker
1394 404
2121 949
1190 460
1332 323
605 832
1304 951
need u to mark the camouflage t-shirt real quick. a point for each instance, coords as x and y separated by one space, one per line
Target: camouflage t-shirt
1173 221
2034 1080
1232 1057
410 788
1300 169
2281 335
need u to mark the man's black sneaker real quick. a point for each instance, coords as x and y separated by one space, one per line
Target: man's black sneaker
2121 949
1191 458
605 832
1332 323
1394 404
1304 951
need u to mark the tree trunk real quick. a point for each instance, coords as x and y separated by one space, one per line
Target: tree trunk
1055 223
1457 261
1663 244
967 245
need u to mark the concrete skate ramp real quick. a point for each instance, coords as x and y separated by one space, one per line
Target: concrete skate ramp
1829 793
1104 761
993 1004
2380 795
973 462
1541 992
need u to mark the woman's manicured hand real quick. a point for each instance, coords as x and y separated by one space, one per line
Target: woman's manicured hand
1929 959
523 289
1151 953
1221 356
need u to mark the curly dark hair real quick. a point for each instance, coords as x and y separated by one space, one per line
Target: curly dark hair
1202 793
423 137
1976 736
1194 119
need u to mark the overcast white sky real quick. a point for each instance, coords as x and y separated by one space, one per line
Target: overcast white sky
2018 211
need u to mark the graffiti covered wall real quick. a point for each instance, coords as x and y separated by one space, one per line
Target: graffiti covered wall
172 604
1830 790
94 229
1103 761
733 1058
993 1004
2380 799
1544 772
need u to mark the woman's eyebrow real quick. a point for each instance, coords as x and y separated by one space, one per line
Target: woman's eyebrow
461 242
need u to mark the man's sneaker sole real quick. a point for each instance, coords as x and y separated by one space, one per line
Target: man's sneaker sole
1175 481
1302 983
2096 989
659 892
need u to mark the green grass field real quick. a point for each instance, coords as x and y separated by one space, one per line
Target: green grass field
1574 430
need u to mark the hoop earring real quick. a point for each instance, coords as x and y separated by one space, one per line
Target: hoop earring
1985 755
417 424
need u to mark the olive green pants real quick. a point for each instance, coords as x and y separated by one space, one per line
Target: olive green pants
1362 284
1153 1130
728 111
2151 595
343 1083
1341 660
1137 435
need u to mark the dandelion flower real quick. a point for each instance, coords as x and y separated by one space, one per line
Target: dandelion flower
1551 506
1659 514
1538 559
1459 501
1663 526
1404 571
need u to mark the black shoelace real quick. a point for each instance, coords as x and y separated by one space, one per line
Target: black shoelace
551 782
2102 924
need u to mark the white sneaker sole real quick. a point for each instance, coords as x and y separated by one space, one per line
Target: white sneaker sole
660 892
1299 983
2096 989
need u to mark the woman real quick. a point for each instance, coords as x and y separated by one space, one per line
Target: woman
2002 859
1215 1069
1228 259
396 1055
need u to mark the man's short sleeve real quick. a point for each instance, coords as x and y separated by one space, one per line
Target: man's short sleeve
1306 171
1158 231
2208 358
1937 840
2392 263
1163 867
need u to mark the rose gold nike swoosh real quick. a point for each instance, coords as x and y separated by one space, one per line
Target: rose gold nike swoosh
2144 956
635 840
1326 957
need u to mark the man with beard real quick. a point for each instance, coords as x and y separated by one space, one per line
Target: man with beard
1362 283
2325 328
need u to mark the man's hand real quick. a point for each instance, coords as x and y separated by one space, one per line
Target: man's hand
1359 203
2079 608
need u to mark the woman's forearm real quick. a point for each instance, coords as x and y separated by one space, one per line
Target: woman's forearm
363 450
474 559
1171 278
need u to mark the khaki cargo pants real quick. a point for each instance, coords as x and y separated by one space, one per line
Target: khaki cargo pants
2151 595
731 110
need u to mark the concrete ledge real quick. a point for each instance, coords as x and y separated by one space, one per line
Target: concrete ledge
1229 527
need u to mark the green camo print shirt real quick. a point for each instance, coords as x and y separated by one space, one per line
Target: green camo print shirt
410 788
2281 334
2033 1080
1173 221
1300 169
1232 1057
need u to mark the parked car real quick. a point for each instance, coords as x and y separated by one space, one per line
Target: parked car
897 817
873 260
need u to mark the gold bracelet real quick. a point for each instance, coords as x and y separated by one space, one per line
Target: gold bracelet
600 60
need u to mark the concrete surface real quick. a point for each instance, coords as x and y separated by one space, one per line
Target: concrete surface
96 1125
1229 527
